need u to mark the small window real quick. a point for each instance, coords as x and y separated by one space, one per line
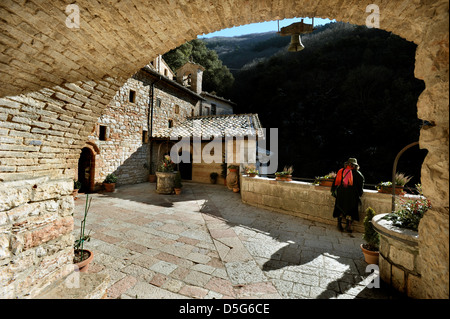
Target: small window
132 97
192 112
165 72
170 124
158 102
102 133
177 109
144 137
213 109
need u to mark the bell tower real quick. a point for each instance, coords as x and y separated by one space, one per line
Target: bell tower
191 76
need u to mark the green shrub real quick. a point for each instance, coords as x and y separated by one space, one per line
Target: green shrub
177 181
370 235
110 178
76 184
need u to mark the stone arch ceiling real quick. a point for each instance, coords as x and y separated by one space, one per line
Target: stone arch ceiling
55 81
116 38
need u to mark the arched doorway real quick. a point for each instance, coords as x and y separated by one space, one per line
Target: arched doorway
86 167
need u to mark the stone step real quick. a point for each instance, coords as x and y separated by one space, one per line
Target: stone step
78 285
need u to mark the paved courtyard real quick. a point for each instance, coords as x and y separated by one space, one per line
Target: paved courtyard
207 244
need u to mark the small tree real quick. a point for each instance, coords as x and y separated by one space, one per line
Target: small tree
370 235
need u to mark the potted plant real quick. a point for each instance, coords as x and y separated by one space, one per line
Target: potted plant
165 176
151 176
83 257
400 181
233 178
326 180
177 183
251 171
110 182
76 188
213 177
285 174
371 248
410 211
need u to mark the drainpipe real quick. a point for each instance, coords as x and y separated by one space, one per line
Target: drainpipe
150 144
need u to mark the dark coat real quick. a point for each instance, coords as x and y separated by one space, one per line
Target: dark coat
348 198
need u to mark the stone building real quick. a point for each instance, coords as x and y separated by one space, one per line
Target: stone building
216 105
204 143
150 102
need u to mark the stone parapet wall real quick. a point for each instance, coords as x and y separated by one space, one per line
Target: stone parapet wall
36 241
305 199
399 261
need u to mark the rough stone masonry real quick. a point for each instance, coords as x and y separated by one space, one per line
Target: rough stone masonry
56 81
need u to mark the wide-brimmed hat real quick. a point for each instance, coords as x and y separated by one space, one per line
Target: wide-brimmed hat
353 161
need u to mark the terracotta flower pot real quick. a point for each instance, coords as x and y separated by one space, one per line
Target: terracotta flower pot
75 193
388 190
326 183
109 187
371 257
152 178
252 175
177 191
83 266
233 179
236 190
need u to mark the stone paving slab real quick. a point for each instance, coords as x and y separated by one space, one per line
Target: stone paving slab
207 244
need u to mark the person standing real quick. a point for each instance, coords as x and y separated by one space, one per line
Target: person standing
347 188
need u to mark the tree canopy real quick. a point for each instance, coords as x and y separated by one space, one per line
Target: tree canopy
216 77
350 93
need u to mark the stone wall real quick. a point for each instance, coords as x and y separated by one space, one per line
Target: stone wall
399 260
42 132
123 152
305 199
221 105
36 241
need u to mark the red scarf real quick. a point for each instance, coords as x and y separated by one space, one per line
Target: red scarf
345 175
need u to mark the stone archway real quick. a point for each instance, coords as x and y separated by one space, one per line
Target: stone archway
86 165
57 79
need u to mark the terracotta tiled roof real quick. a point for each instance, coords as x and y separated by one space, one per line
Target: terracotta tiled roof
230 125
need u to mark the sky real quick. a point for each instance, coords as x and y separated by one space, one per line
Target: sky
262 27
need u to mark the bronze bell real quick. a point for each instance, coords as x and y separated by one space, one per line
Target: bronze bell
296 43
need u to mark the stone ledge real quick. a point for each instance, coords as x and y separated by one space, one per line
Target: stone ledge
86 286
386 228
305 200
